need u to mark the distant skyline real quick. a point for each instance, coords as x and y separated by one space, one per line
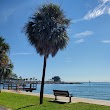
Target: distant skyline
87 56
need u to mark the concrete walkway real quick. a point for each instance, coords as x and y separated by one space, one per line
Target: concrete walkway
65 99
2 108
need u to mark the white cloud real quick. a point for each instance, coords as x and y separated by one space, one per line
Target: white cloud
106 41
79 41
68 60
77 20
104 1
5 14
22 54
109 10
83 34
102 8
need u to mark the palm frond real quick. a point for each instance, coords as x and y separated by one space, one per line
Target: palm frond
46 30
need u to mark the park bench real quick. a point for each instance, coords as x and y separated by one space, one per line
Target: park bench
62 93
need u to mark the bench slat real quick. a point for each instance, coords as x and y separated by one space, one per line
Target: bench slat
62 93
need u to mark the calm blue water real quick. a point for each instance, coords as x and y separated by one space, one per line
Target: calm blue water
94 90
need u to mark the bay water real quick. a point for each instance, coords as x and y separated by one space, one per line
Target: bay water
93 90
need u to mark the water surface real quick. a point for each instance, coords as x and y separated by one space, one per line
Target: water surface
94 90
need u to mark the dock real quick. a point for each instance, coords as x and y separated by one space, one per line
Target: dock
29 87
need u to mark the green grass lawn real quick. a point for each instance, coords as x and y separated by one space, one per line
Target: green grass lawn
26 102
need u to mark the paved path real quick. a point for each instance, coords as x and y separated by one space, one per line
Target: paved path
73 99
1 108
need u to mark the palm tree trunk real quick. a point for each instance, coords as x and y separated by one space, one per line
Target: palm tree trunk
43 78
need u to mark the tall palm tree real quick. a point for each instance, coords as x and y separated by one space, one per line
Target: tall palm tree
8 71
4 48
13 76
46 31
5 65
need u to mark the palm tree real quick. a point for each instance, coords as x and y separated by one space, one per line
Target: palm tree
14 76
8 71
4 48
46 31
5 66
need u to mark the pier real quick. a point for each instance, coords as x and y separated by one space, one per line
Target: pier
22 86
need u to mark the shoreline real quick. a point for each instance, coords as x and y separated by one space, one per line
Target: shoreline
46 82
73 99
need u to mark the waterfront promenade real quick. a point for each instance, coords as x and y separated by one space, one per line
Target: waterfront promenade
65 99
2 108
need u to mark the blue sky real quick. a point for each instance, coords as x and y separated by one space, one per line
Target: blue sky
87 56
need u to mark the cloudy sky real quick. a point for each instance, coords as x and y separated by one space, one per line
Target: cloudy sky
87 56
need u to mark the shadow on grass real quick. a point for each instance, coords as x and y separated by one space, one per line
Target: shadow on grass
53 101
25 107
59 102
